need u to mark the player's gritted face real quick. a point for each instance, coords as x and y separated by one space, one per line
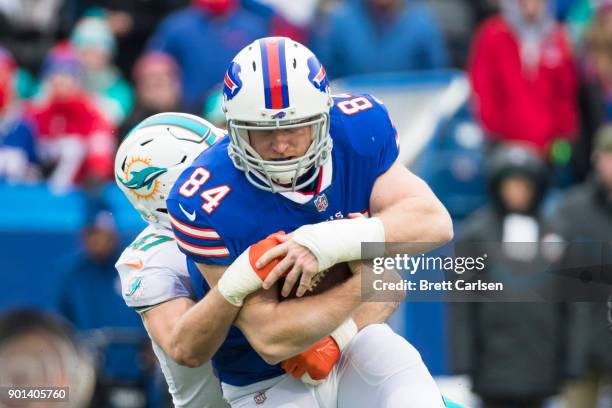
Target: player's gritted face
281 144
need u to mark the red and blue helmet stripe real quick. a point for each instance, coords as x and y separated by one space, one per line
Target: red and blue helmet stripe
274 70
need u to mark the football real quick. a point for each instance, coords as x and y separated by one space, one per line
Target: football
323 281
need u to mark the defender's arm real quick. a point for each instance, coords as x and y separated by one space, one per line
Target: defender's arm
190 333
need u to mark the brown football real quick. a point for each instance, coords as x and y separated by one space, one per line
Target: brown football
324 280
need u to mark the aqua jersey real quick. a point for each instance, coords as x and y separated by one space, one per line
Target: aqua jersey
217 213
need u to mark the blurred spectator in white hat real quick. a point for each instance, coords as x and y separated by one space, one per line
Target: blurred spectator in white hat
95 46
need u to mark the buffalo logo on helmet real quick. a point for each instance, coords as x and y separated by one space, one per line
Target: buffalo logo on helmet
316 74
232 84
279 115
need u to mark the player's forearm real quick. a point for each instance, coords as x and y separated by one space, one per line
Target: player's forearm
199 333
289 327
420 220
373 313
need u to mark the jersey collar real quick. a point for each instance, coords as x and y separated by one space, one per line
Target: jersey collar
324 181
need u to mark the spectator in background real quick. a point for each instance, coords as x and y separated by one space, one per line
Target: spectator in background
367 36
131 22
585 216
203 39
511 351
95 46
598 58
18 158
524 78
91 299
158 88
29 29
76 141
595 69
457 21
281 16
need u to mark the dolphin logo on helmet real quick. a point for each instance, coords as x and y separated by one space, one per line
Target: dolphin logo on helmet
143 178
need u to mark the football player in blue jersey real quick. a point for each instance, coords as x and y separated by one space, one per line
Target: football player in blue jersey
301 161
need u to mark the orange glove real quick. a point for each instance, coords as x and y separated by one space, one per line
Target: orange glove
258 249
317 361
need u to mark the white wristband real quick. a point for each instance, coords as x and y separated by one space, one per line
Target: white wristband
332 242
239 280
344 333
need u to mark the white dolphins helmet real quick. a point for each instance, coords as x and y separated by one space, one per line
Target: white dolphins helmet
154 154
277 83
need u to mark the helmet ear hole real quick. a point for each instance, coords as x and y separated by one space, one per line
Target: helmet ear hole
254 67
294 63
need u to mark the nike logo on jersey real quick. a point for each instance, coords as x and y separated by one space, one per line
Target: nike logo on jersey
135 265
190 216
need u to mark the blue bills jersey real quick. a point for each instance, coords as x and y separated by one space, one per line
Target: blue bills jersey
216 213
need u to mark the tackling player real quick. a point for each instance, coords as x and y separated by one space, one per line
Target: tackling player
309 160
153 272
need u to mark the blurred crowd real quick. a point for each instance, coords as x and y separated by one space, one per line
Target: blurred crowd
77 75
72 86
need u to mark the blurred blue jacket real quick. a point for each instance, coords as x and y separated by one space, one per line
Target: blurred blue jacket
203 46
351 42
16 131
91 299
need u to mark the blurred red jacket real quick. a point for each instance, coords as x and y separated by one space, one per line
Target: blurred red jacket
518 105
78 118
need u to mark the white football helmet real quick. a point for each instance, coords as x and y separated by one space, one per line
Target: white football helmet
276 83
154 154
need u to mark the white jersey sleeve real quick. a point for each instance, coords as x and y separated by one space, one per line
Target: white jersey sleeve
153 270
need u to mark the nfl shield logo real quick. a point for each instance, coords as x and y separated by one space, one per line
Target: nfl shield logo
260 398
321 202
